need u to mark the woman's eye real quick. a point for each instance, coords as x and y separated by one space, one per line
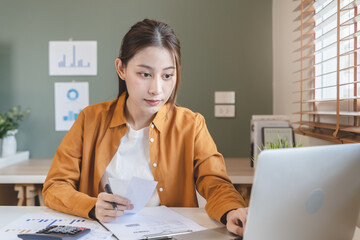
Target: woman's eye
146 75
167 76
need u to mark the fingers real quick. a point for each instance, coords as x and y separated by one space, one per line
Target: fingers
105 215
236 229
236 221
114 198
109 215
243 216
105 212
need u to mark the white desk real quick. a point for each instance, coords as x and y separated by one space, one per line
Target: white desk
8 214
25 175
34 171
31 171
28 177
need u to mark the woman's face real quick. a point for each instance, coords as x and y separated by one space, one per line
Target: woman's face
150 78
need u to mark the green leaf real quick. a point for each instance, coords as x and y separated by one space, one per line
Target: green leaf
11 119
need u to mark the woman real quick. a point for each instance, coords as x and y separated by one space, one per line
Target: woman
142 133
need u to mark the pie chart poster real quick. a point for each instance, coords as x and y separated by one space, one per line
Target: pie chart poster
70 99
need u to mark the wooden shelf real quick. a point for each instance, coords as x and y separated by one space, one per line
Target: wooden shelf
321 134
344 128
333 113
328 100
327 135
350 129
315 124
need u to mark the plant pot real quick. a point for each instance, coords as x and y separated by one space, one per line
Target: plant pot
8 144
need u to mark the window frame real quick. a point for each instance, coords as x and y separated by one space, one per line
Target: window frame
335 119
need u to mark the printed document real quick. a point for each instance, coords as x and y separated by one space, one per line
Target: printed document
31 223
151 220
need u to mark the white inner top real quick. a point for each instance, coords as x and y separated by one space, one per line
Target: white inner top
132 159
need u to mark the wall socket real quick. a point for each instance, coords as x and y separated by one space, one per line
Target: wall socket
224 110
225 97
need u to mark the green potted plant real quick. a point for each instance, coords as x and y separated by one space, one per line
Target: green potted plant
9 124
280 143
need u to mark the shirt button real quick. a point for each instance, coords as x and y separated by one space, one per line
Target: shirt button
154 165
151 140
152 126
161 189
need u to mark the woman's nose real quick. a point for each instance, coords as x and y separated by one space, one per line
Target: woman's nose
155 87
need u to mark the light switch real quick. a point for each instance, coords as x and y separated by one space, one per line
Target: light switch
224 110
225 97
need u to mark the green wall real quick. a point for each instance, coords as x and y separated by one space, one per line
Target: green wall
226 46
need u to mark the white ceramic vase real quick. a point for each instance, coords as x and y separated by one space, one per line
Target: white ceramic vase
8 144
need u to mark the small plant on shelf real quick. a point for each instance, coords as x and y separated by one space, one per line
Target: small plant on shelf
10 120
280 143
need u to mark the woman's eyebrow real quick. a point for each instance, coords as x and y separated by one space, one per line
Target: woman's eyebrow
148 67
171 67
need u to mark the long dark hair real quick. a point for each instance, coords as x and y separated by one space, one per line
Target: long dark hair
149 33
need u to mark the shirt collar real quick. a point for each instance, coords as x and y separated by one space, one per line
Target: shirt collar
162 114
119 118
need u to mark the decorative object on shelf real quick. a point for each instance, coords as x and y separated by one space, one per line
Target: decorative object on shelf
280 143
9 143
9 124
257 124
13 159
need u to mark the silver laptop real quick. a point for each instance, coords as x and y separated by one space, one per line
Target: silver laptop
209 234
307 193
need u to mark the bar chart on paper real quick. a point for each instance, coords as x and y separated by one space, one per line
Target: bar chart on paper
70 99
32 223
71 116
75 62
73 58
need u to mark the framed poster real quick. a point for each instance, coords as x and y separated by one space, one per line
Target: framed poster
276 134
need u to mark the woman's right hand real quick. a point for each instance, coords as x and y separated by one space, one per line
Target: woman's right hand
105 212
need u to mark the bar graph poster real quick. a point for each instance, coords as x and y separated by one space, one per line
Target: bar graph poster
72 58
70 99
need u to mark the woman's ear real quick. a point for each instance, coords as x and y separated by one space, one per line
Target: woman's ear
120 69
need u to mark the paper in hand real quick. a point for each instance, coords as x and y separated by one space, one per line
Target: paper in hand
137 190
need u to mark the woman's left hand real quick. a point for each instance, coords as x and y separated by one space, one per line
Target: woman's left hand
236 221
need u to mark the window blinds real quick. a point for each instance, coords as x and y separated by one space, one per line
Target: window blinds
328 78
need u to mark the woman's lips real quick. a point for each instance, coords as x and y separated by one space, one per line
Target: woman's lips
152 102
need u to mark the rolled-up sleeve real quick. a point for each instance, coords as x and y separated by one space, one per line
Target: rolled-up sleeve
61 185
210 175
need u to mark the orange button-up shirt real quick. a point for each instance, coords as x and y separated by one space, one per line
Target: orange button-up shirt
186 159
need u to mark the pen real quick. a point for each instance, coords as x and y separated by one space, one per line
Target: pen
108 190
164 235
